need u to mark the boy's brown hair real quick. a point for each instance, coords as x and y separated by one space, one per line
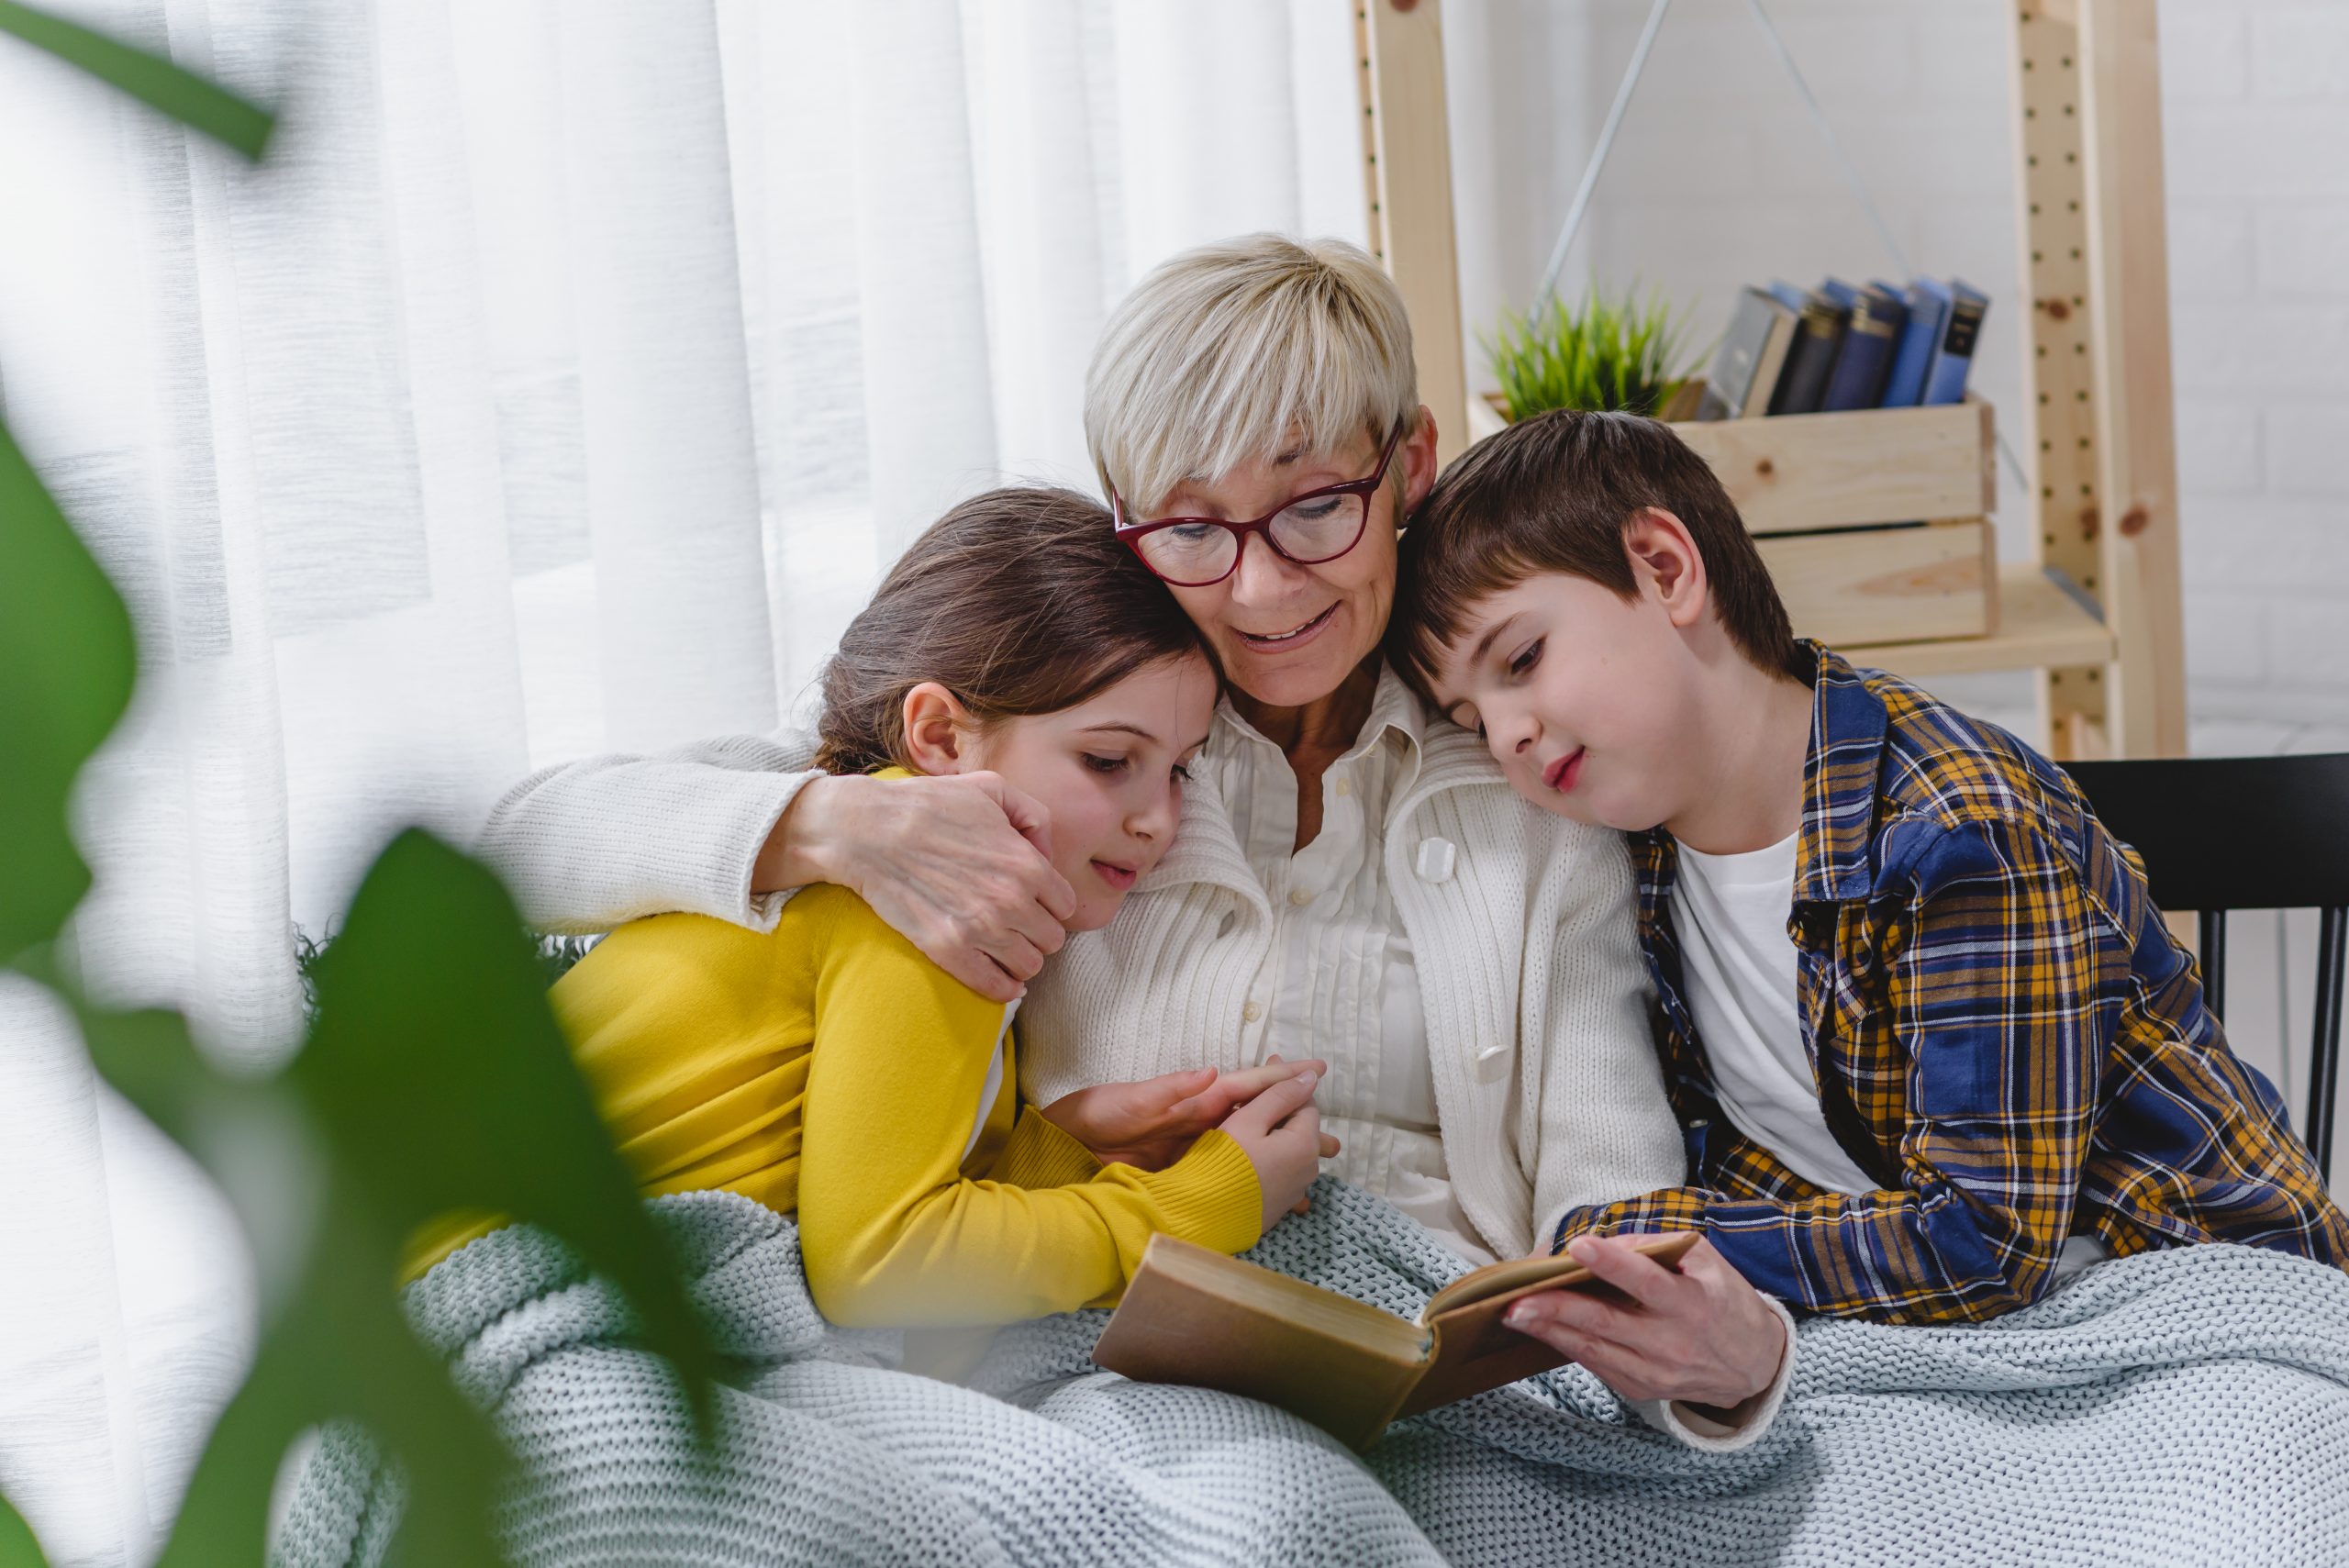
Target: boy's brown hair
1554 494
1019 602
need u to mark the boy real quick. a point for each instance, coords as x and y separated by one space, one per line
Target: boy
1931 1041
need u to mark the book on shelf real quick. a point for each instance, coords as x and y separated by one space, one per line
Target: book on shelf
1928 314
1945 382
1753 352
1818 336
1194 1316
1864 362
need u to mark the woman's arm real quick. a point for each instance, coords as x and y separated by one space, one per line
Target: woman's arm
729 826
1606 1129
1700 1352
891 1231
592 844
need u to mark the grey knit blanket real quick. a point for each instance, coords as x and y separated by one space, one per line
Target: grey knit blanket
2188 1407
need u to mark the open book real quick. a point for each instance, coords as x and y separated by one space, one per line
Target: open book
1195 1317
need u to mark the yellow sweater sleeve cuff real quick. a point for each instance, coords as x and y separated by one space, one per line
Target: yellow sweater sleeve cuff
1210 1195
1041 1155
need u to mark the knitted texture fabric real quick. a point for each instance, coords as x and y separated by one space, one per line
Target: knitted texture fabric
2183 1407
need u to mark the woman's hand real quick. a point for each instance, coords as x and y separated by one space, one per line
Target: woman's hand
1154 1123
956 864
1701 1335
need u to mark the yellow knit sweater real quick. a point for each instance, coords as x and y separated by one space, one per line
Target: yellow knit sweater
829 1067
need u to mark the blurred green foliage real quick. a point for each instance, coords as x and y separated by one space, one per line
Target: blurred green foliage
435 1077
1626 354
66 661
17 1547
155 82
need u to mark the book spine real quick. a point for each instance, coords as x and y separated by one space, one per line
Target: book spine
1861 368
1803 385
1946 383
1772 366
1905 387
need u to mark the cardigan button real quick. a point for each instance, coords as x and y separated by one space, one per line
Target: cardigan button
1436 856
1252 1012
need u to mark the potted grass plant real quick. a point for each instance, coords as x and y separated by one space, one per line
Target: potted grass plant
1625 352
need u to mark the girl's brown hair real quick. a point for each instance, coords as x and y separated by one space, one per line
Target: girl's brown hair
1018 602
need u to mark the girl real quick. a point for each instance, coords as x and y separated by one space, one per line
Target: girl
828 1068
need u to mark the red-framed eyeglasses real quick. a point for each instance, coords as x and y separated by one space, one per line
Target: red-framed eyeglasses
1320 525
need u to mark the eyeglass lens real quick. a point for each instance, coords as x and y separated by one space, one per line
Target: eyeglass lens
1314 528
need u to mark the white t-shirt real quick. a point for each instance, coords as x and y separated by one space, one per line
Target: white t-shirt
1738 963
1730 913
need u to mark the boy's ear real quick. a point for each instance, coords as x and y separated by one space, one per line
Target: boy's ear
938 731
1665 559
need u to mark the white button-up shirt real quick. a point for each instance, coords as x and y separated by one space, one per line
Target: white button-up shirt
1337 979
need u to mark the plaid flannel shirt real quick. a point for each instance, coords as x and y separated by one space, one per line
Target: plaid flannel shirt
2005 1038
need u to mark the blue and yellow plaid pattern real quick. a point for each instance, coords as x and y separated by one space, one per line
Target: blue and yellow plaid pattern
2006 1038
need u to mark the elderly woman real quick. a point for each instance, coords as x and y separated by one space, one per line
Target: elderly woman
1351 880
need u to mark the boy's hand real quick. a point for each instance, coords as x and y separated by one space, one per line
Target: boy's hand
1701 1335
1154 1123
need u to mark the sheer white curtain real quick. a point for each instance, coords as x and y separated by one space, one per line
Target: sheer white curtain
562 383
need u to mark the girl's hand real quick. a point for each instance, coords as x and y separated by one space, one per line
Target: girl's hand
1154 1123
1281 1131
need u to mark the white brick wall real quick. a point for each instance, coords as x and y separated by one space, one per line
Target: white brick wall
2257 131
1720 180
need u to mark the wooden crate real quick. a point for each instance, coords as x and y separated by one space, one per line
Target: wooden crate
1801 471
1874 524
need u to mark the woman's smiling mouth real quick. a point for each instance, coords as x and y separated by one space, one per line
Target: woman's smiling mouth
1289 639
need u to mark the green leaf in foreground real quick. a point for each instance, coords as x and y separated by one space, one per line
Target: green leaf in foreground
436 1079
17 1547
157 83
66 647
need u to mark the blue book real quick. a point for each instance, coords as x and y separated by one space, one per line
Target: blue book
1928 311
1945 382
1793 298
1857 381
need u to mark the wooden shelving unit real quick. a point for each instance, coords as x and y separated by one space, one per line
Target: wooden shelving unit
2042 625
2097 611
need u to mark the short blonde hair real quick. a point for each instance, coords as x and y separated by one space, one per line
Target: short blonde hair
1238 349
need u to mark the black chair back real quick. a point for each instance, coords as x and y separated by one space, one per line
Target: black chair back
2221 833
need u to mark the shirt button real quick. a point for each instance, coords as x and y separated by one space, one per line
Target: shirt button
1252 1012
1299 897
1345 787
